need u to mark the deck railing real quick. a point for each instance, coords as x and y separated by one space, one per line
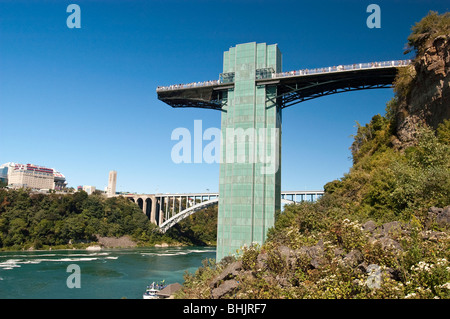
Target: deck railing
330 69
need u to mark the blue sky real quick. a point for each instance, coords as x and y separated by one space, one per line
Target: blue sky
83 100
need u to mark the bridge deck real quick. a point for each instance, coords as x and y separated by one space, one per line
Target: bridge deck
165 210
293 86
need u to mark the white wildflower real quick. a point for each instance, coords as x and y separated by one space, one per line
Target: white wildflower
446 285
411 295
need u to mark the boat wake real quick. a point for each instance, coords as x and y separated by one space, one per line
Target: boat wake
175 252
18 260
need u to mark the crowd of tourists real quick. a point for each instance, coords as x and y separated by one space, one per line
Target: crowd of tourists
356 66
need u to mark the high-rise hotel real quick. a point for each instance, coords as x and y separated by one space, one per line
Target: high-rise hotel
32 176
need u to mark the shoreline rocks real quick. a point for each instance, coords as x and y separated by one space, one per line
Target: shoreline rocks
112 242
94 248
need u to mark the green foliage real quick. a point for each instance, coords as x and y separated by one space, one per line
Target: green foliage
385 184
347 234
422 178
443 132
404 81
371 138
430 27
198 229
193 286
39 221
249 257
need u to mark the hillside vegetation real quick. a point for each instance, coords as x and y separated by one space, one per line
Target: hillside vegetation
382 230
44 221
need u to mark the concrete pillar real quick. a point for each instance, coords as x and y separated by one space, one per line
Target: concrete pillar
161 210
173 206
153 210
144 205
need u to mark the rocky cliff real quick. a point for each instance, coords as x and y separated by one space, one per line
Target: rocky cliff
425 98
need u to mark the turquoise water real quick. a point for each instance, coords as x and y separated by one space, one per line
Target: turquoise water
105 274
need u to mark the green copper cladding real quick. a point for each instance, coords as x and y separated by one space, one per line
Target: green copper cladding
250 170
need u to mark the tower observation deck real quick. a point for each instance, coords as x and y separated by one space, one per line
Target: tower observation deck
293 86
251 93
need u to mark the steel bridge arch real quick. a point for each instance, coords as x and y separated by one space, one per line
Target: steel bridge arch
193 209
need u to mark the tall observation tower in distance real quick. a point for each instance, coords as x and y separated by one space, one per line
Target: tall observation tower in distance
111 190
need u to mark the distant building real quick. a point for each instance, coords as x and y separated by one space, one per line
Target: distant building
111 190
4 174
32 176
60 180
89 189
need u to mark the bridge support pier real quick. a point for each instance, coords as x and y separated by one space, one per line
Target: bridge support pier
153 211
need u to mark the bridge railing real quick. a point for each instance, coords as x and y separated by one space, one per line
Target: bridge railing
340 68
329 69
188 85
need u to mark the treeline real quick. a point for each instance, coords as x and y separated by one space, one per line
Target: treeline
41 221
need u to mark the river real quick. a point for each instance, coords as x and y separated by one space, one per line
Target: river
105 274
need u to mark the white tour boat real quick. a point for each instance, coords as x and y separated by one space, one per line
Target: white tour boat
152 291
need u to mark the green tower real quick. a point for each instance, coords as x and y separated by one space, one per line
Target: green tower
250 95
250 172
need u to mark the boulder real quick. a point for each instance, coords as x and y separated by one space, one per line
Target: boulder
391 228
388 243
285 252
353 258
231 271
443 218
225 288
369 226
315 253
261 261
339 252
363 267
433 235
438 216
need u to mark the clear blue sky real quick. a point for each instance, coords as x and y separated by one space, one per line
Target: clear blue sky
83 101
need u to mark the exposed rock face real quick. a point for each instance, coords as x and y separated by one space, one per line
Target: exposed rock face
111 242
439 217
225 282
429 99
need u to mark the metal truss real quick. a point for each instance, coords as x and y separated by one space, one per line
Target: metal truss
191 102
298 95
185 213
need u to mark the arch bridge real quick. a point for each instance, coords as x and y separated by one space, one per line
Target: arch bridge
166 210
